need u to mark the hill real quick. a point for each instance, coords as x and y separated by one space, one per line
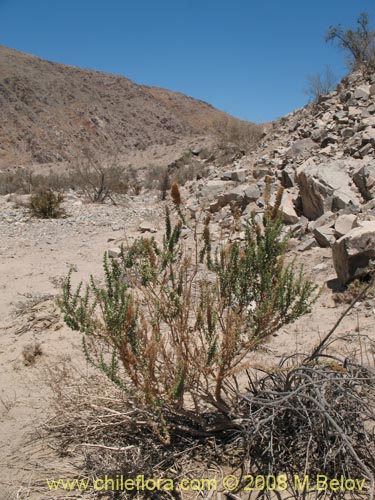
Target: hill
53 112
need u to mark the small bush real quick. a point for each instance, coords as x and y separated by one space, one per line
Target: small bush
101 178
46 204
320 84
174 337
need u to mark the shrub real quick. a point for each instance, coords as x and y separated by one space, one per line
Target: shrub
46 204
175 337
359 44
245 135
100 179
320 84
17 181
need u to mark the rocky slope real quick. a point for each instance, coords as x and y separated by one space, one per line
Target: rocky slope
323 158
52 112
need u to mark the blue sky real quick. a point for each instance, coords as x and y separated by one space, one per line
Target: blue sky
249 58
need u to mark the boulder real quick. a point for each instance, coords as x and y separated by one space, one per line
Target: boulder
288 212
327 219
252 193
287 177
344 224
364 179
235 175
307 244
325 187
325 236
354 253
212 188
362 92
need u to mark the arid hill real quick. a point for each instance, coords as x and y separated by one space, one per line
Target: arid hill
53 112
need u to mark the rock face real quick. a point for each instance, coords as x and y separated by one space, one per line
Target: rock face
325 187
354 253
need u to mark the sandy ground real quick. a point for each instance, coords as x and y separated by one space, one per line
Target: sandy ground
34 258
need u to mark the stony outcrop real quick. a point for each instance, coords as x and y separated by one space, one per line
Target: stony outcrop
325 187
354 253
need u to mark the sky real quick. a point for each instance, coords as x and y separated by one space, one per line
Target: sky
249 58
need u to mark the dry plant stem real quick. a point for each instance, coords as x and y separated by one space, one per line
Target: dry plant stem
323 343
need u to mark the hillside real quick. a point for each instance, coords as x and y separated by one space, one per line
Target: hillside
52 112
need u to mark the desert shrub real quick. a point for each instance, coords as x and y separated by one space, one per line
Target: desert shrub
24 181
174 336
245 135
358 44
101 178
17 181
157 177
186 168
46 204
320 84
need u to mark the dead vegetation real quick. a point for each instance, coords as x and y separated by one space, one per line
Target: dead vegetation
240 133
30 353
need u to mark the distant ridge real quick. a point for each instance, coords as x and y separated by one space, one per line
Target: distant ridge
52 112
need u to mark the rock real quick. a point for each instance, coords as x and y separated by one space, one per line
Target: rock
365 150
250 208
364 179
340 115
307 245
212 188
325 236
114 252
196 151
354 253
288 212
287 177
252 193
214 207
301 148
147 227
236 176
347 132
368 136
260 172
324 187
344 224
317 135
327 219
193 209
362 92
235 196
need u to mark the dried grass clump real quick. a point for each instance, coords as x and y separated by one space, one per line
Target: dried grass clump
104 434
